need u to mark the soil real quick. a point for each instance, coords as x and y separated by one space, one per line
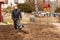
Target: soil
33 32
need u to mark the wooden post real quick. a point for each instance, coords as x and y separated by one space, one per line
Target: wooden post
0 14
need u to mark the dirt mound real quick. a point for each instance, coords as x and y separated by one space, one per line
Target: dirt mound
35 32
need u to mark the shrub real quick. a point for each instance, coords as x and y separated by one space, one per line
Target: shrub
57 10
25 8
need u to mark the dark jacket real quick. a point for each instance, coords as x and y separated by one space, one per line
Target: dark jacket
16 15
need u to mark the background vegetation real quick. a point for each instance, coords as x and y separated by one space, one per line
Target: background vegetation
57 10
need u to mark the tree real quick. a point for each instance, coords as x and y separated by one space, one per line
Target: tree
9 9
26 7
57 10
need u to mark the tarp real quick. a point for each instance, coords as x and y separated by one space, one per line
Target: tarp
46 5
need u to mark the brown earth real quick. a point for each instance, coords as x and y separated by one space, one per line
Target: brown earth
35 32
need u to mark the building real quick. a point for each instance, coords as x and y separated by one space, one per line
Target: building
15 1
11 2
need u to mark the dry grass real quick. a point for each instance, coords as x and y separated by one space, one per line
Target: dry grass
26 19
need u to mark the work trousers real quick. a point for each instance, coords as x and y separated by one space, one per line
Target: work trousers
16 23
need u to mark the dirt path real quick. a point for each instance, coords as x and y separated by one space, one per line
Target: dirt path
56 24
35 32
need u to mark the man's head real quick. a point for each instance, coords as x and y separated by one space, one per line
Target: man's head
15 7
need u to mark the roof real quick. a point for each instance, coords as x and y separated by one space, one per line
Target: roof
46 5
2 0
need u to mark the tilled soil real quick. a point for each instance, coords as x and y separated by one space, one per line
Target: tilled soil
34 32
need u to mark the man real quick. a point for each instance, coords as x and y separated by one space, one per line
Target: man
16 16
